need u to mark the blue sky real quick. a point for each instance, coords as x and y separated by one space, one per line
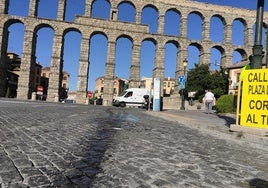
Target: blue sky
123 50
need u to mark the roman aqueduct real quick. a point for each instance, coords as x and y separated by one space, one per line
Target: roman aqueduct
113 29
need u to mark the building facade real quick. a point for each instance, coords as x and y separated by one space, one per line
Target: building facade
45 75
168 86
118 86
13 72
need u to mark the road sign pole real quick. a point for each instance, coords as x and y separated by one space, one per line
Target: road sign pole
185 62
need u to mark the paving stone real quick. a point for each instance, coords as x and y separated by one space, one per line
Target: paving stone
37 181
60 145
12 176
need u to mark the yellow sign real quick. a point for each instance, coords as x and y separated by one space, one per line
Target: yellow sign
254 103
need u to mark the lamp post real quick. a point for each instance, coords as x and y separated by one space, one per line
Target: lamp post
185 63
256 57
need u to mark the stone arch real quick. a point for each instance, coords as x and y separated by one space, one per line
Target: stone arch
200 48
199 13
43 25
172 15
106 8
242 52
217 63
71 29
71 6
104 62
126 64
179 61
9 22
13 29
154 9
53 9
150 39
243 29
6 25
149 63
177 46
215 26
73 58
36 29
98 32
131 15
198 27
4 40
124 36
52 46
28 61
220 48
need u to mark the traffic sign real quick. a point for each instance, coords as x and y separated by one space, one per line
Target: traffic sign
254 96
40 88
182 85
182 80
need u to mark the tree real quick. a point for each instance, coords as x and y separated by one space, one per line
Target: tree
201 78
220 82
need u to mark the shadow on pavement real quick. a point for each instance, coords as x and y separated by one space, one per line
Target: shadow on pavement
258 183
228 119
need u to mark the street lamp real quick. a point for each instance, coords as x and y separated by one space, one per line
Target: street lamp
256 57
185 63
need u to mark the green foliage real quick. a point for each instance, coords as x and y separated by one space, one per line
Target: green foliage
225 104
220 83
201 78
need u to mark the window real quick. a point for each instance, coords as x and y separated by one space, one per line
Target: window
129 94
237 77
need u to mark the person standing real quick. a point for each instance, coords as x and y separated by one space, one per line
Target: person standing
209 100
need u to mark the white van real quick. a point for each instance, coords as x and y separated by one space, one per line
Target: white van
131 97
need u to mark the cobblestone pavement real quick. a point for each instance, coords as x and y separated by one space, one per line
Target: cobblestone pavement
64 145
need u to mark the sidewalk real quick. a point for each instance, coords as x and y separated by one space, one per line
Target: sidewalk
213 124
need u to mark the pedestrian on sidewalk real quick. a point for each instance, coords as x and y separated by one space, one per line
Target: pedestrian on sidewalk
209 100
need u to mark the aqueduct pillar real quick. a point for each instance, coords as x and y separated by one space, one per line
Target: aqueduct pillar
135 66
33 7
61 9
55 69
26 77
81 95
3 54
109 75
4 6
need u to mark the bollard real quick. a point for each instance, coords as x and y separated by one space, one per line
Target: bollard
33 96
